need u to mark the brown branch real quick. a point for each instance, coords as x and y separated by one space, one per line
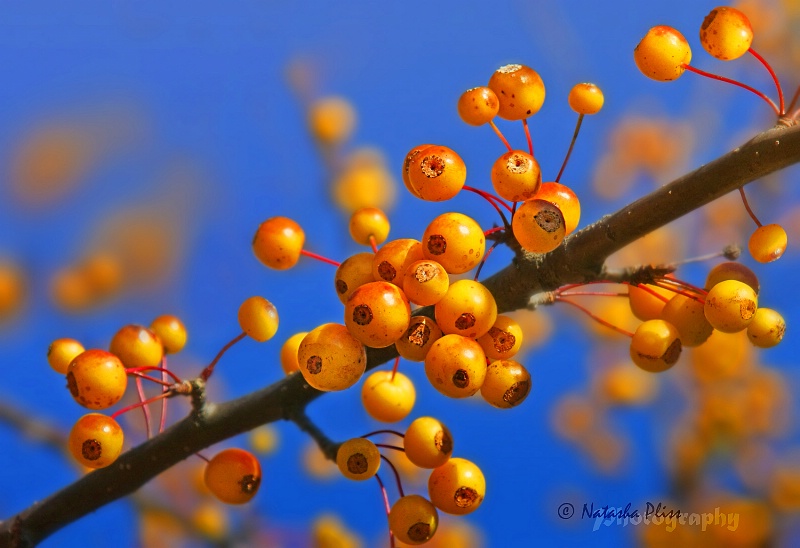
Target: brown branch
579 259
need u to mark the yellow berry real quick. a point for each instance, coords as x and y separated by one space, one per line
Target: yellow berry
278 243
96 440
233 476
171 331
655 346
331 358
767 243
507 384
358 459
258 318
730 306
137 346
662 54
428 442
61 352
767 328
726 33
457 487
289 362
585 98
369 222
388 399
413 519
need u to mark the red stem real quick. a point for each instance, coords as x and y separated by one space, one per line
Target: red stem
207 372
595 318
141 403
483 260
394 369
795 97
769 101
145 409
487 196
164 375
313 255
528 135
396 476
590 294
373 243
499 134
747 207
774 78
148 378
571 146
387 506
643 287
163 370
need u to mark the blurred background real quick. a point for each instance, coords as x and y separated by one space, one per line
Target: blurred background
142 144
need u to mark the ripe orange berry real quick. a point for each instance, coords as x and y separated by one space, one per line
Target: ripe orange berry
258 318
354 272
289 362
171 332
730 306
644 304
96 440
585 98
456 366
61 352
137 346
428 442
331 120
425 282
414 344
467 309
662 54
392 260
655 346
278 242
233 476
503 340
437 173
413 519
519 89
388 399
358 459
455 241
516 176
566 200
767 243
366 222
507 384
331 358
767 328
539 226
688 317
726 33
478 106
96 379
457 487
377 314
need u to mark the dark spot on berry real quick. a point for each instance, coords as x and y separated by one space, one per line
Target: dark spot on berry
549 220
503 340
461 378
673 352
425 272
91 449
419 532
314 365
387 271
465 320
418 334
72 384
341 287
709 19
437 244
362 314
747 309
466 497
249 483
357 463
432 166
517 392
516 163
443 442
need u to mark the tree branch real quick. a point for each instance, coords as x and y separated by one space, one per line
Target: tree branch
580 258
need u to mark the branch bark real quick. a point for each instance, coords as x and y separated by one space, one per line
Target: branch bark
580 258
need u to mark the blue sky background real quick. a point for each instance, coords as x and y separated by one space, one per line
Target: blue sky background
203 90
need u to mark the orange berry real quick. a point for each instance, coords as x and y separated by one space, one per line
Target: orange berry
278 243
407 162
503 340
539 226
456 366
258 318
233 476
585 98
767 243
358 459
644 303
519 89
437 173
414 344
478 106
467 309
392 260
137 346
566 200
457 487
289 362
730 306
96 379
413 519
354 272
767 328
428 442
61 352
331 358
366 222
516 176
331 120
662 54
726 33
455 241
377 314
507 384
96 440
655 346
425 282
171 331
